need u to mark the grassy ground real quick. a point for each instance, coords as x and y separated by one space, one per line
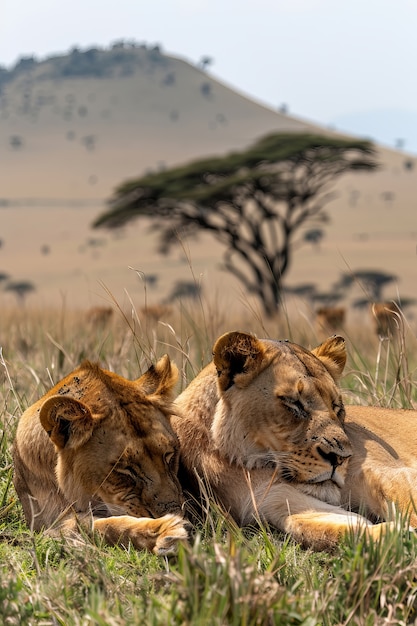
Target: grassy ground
225 575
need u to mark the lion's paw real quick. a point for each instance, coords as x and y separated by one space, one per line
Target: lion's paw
172 529
376 531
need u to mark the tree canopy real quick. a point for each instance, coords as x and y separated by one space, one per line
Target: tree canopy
255 202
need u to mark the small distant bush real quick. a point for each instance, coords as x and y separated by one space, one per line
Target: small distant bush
205 89
16 142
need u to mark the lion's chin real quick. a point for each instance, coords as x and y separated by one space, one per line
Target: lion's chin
335 477
327 491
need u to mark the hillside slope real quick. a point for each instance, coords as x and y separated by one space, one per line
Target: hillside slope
75 126
123 113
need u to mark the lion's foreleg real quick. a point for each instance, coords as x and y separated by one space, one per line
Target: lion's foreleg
310 521
159 535
323 530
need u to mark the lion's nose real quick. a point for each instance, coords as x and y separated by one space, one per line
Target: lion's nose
334 458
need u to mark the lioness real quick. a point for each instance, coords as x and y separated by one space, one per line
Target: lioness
98 450
264 425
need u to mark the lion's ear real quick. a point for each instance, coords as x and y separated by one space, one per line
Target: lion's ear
238 358
160 378
67 421
332 353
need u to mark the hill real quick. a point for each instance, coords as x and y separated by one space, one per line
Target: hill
99 116
74 126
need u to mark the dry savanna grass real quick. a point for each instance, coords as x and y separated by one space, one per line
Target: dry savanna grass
225 575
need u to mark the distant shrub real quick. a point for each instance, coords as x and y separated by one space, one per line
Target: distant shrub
20 288
16 142
89 142
205 89
184 289
388 196
169 79
82 64
121 59
25 63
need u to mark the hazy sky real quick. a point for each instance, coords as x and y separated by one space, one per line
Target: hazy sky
327 60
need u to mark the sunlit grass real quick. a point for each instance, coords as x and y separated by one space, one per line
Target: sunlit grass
225 575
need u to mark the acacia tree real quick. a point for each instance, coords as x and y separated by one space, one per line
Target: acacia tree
255 202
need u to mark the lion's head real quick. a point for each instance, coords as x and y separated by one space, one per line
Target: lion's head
116 451
273 404
280 406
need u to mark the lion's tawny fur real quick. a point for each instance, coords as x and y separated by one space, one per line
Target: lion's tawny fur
264 427
98 451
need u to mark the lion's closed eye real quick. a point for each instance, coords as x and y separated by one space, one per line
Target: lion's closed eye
129 472
295 406
169 457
